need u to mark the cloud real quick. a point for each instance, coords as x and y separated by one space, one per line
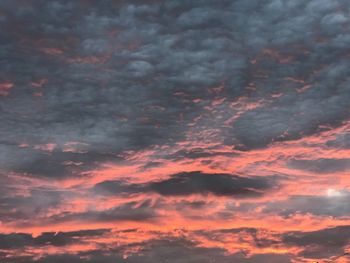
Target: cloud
21 240
189 183
130 211
341 141
217 184
197 153
22 206
104 103
160 250
323 205
322 243
324 165
90 58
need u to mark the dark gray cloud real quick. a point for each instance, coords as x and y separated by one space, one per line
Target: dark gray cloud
335 204
114 76
24 206
323 165
218 184
331 203
21 240
49 206
195 183
112 70
172 250
197 153
130 211
60 164
341 141
322 243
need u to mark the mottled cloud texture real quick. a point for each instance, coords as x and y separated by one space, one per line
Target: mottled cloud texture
174 131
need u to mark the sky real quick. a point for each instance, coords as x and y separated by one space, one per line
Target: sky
174 131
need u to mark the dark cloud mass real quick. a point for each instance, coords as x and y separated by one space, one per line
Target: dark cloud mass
218 184
108 72
19 240
323 165
195 183
174 118
322 243
333 205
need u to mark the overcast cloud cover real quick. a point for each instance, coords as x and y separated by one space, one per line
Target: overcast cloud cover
174 131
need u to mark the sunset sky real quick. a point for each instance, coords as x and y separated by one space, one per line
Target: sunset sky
174 131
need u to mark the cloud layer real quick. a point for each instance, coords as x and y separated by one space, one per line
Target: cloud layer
174 131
